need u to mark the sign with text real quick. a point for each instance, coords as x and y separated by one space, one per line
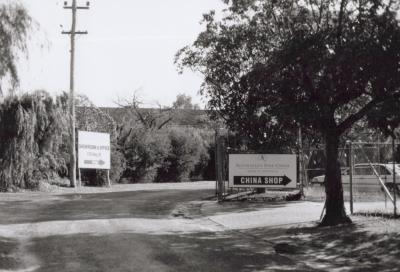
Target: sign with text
93 150
262 170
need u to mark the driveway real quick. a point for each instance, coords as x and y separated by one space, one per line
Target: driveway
166 228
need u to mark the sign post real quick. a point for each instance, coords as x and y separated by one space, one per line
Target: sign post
262 171
94 151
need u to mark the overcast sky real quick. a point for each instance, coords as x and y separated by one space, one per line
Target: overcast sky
131 45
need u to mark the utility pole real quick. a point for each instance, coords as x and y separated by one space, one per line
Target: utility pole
73 33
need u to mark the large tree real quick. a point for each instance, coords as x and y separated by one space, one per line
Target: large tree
15 24
323 64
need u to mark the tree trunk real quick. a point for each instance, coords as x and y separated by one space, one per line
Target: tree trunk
335 211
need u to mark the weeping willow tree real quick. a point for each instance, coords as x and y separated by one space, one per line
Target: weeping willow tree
15 26
33 139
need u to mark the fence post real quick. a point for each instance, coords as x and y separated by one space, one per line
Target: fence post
216 167
223 166
108 178
301 173
350 164
79 178
394 178
220 166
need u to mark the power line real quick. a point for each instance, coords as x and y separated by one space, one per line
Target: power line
72 34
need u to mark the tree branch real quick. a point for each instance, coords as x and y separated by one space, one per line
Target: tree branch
349 121
164 123
343 5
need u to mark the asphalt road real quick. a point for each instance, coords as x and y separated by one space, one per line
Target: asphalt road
126 231
112 205
176 228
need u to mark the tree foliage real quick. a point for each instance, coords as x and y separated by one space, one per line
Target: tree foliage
15 24
34 144
324 64
32 137
187 150
156 150
144 152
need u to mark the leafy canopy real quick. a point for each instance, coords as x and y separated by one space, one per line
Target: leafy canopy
322 63
15 24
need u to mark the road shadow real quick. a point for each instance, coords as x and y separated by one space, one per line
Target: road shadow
282 248
8 251
341 248
303 248
133 252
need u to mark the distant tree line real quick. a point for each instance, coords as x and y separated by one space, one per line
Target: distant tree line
145 147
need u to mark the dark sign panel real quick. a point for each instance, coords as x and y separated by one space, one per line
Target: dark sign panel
261 180
262 170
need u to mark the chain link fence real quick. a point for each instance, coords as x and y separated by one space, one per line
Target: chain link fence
370 176
370 173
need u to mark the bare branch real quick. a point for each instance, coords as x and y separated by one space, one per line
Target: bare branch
165 123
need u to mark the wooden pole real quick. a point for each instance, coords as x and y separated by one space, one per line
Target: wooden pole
73 33
108 178
72 100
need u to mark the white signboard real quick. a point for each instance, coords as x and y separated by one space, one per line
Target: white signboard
93 150
262 170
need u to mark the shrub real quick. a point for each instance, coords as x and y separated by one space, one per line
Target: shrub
187 151
205 168
144 151
31 132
